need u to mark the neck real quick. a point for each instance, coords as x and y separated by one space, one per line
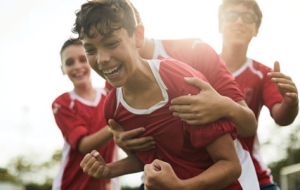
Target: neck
142 90
147 50
234 56
86 92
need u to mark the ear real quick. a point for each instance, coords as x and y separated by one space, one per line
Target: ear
139 35
62 69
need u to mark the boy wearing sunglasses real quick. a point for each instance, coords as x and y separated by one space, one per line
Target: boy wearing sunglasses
239 22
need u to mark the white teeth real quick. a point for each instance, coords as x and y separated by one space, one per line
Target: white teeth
110 70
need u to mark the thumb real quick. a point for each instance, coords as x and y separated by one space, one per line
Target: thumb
114 125
199 83
98 157
276 66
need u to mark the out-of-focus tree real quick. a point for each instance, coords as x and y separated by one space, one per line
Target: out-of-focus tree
292 149
9 182
33 174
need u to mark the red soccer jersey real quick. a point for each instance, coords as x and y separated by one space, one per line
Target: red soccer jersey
76 118
179 144
258 90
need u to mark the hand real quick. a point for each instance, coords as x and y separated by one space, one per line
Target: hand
94 165
199 109
160 175
126 139
286 87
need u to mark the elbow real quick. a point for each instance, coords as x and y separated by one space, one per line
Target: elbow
285 121
250 131
237 171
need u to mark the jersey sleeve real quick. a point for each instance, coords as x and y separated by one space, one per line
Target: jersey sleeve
69 121
204 135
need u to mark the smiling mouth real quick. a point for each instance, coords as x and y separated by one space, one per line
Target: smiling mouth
112 71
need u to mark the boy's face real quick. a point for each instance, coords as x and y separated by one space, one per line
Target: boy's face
235 29
75 65
114 56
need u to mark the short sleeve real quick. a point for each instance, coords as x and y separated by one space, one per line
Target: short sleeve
204 135
69 121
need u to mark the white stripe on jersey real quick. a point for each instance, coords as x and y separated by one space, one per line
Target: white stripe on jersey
248 178
64 160
248 64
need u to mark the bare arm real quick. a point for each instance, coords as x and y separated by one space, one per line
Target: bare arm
284 113
209 106
94 165
160 175
94 141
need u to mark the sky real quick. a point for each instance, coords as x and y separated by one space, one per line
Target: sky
33 31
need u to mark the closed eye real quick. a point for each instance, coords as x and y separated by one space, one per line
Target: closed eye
90 51
113 44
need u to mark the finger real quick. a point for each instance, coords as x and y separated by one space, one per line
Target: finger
141 144
159 164
293 96
132 133
285 80
156 166
180 108
85 160
186 116
201 84
114 125
276 66
98 157
87 166
182 100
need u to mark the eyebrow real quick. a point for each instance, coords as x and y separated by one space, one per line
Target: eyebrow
105 37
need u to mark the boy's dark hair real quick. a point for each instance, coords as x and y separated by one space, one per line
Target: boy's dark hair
105 16
68 43
252 4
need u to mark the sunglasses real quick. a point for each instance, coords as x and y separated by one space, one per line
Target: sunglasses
247 17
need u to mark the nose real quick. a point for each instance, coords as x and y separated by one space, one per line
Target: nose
239 19
77 64
103 58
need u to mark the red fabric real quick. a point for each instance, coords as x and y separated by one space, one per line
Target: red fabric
258 90
176 141
77 118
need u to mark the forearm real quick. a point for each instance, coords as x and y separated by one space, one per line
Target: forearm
95 141
242 116
128 165
284 114
218 176
225 170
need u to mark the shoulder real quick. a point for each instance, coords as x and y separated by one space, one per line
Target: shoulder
110 103
173 72
260 66
177 68
62 99
184 43
61 102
